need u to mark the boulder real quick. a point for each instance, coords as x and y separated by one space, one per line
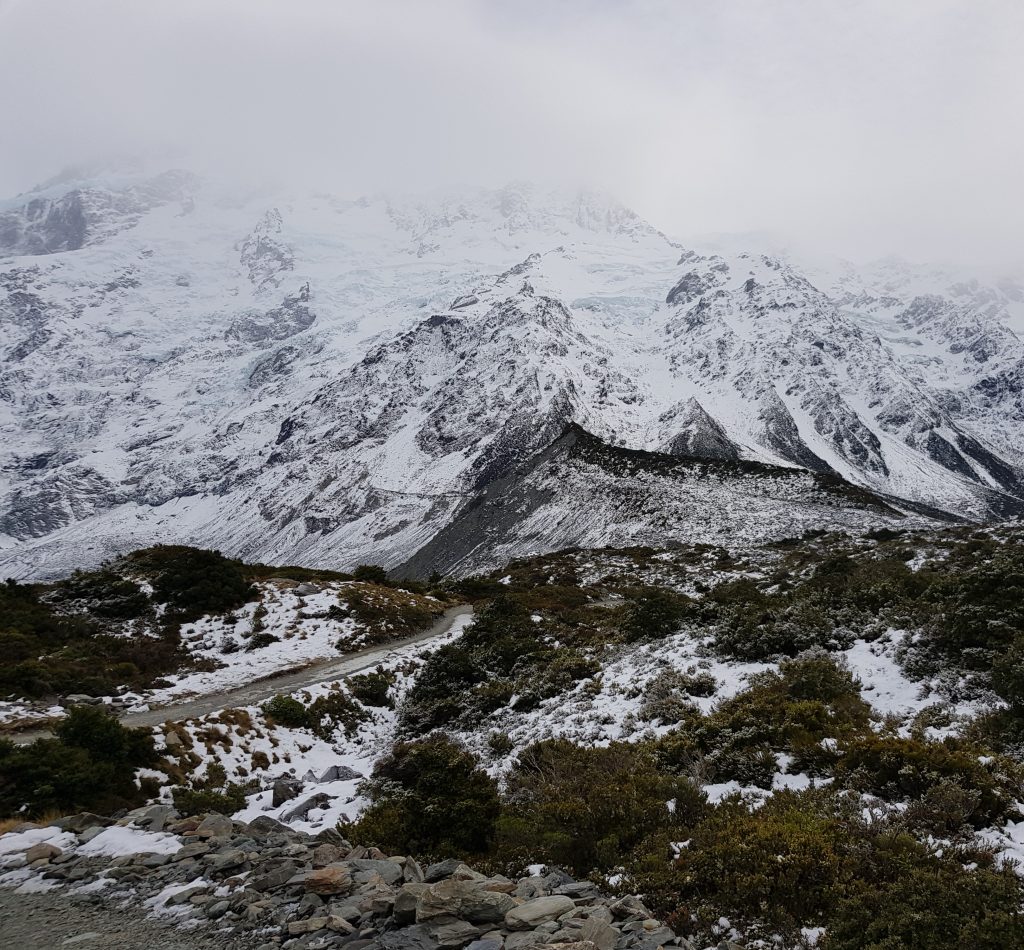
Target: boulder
339 924
364 868
332 879
538 911
629 907
412 871
284 790
416 937
465 900
86 820
599 933
308 926
301 811
441 870
325 854
41 852
452 934
406 901
341 773
214 825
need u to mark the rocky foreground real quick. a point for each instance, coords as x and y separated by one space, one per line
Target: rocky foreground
266 885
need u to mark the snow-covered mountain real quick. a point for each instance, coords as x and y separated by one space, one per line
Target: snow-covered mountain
296 377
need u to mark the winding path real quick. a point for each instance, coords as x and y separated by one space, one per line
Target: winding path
251 694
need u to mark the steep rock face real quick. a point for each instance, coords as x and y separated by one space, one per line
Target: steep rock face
294 377
699 434
53 220
582 492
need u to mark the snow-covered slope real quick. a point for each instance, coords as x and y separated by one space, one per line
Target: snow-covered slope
300 378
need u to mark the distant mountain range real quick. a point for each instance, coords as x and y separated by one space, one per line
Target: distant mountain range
443 382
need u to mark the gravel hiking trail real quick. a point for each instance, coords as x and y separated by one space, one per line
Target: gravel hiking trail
257 692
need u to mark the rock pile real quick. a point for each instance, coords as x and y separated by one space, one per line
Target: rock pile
268 886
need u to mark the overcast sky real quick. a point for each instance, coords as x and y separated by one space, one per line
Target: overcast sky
867 126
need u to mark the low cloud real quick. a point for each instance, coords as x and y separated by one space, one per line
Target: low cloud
859 126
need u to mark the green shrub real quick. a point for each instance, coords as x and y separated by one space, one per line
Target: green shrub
105 593
775 864
896 768
931 905
371 574
655 612
213 793
332 711
193 581
810 699
287 711
90 765
428 798
372 689
260 640
586 808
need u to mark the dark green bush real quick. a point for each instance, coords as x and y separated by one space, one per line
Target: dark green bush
929 905
655 612
586 808
428 798
193 581
897 768
372 689
332 711
371 574
287 711
90 765
808 700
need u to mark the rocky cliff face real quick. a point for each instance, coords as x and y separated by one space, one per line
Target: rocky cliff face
304 378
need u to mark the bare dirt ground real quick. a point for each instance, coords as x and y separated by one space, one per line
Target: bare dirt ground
58 921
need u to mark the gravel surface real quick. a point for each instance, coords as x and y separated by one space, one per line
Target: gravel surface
59 921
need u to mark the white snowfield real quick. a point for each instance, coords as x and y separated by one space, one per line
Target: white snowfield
300 378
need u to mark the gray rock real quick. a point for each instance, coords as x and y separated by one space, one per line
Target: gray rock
41 852
465 900
486 943
265 825
651 940
214 826
284 790
156 860
452 934
522 940
538 911
325 854
217 909
84 821
301 811
629 906
340 773
441 870
90 833
412 871
193 849
416 937
183 897
310 925
407 900
226 860
363 869
600 933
